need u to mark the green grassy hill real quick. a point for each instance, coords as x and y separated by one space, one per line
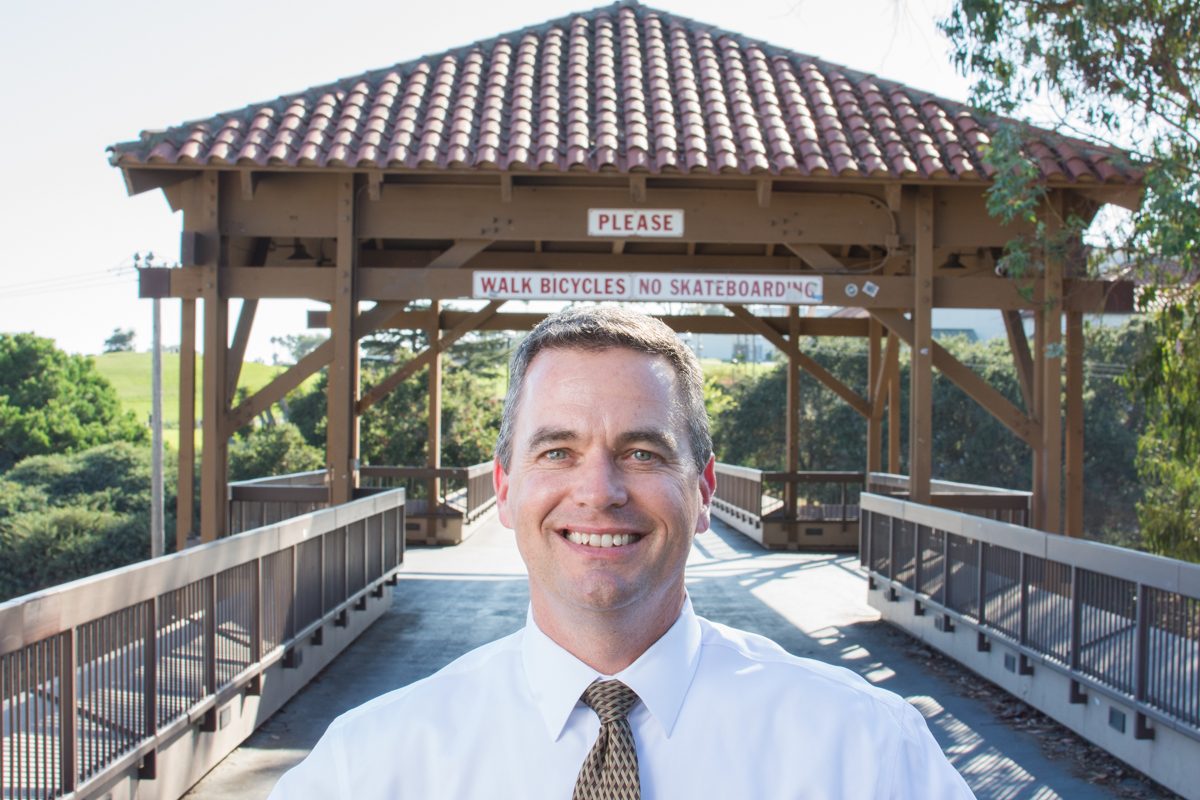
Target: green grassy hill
129 373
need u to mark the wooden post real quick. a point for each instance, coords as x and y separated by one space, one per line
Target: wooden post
1038 500
875 368
341 433
1052 423
920 444
433 457
185 500
214 514
792 428
893 403
1075 490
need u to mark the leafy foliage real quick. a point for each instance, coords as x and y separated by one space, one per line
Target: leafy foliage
64 517
1124 71
121 341
52 402
969 444
277 449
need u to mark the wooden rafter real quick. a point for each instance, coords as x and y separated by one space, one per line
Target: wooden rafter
1022 360
976 387
425 357
827 378
367 323
816 256
460 253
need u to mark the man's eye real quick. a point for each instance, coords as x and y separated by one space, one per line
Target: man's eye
557 454
642 455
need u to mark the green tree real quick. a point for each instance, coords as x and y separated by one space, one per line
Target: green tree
52 402
277 449
1123 71
121 341
64 517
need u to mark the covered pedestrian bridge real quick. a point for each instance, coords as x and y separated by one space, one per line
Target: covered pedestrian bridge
625 155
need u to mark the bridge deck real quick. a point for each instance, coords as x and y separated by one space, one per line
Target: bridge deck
452 599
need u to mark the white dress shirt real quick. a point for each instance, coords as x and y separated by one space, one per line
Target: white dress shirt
723 714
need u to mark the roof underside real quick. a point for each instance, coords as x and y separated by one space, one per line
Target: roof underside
619 89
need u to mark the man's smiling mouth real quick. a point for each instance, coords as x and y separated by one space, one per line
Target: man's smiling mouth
601 539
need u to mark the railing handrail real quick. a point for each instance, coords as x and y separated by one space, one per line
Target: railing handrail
901 482
310 478
815 476
749 473
452 473
1159 572
35 616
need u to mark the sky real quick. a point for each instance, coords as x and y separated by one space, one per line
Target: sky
80 76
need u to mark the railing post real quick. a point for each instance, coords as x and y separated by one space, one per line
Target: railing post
256 615
981 642
67 705
1023 665
150 649
1141 662
1077 694
210 649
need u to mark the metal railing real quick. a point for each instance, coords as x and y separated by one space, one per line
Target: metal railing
752 494
98 675
465 492
262 501
1006 505
1117 622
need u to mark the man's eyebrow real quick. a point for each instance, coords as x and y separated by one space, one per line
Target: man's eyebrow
544 436
660 439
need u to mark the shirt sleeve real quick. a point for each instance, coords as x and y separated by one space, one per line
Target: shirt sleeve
921 771
320 776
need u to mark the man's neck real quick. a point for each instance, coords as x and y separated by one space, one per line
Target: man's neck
609 641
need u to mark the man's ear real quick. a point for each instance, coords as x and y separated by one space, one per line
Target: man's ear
708 487
500 484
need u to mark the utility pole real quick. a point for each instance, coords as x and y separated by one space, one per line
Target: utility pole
156 424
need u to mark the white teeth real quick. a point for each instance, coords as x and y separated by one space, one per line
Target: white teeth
602 539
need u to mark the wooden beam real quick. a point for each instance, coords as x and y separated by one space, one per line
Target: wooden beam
425 357
879 388
374 179
893 194
618 247
762 189
245 323
895 424
1075 426
637 188
185 500
1052 423
367 323
1018 343
815 256
875 374
792 409
506 187
433 441
920 396
213 461
248 181
964 378
460 253
341 430
560 214
827 378
237 350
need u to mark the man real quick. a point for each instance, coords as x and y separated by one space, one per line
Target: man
604 470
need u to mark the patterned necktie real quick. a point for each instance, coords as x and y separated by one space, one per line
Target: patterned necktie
610 771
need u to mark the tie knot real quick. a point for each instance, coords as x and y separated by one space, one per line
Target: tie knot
611 700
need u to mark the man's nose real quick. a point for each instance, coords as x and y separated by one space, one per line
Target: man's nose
600 483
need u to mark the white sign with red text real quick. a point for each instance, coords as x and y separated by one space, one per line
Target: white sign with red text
665 287
636 223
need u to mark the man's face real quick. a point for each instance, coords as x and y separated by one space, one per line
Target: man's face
602 489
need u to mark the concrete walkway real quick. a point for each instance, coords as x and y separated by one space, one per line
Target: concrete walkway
453 599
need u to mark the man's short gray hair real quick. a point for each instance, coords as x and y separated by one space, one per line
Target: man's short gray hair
595 328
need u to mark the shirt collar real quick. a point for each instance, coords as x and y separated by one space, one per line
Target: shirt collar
661 676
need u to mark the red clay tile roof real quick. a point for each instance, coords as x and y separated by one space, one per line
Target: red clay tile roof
622 88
